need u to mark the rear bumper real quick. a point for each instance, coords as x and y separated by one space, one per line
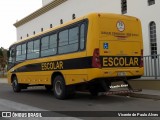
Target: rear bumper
130 73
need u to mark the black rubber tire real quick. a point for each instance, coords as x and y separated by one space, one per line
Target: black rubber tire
49 88
59 88
15 85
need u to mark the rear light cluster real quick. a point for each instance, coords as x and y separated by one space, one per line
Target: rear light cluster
96 62
141 62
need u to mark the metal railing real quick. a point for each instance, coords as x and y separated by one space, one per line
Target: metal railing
152 66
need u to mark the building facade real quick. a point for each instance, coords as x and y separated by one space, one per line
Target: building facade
54 10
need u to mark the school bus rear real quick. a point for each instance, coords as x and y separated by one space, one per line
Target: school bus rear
115 42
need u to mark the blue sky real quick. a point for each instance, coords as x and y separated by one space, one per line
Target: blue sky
10 12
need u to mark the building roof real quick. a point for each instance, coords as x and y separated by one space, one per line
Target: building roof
39 12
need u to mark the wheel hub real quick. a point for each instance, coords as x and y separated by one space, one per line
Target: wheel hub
58 87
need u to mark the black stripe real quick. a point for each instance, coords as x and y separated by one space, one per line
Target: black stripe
77 63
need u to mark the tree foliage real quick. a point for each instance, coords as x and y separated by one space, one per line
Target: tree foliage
3 58
1 52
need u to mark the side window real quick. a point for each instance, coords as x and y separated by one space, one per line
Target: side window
82 37
63 42
73 39
30 47
23 49
44 43
68 40
49 45
21 52
23 56
63 38
30 50
18 52
11 56
33 49
53 43
36 48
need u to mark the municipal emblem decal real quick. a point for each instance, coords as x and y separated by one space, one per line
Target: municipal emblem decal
120 26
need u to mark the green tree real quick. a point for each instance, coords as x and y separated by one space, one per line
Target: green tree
1 52
3 59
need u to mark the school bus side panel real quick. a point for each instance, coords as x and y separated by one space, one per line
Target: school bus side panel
39 71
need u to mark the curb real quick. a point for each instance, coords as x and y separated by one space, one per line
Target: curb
146 96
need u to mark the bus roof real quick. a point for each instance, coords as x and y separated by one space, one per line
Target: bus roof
109 15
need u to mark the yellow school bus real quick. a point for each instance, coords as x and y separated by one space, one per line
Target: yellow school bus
89 53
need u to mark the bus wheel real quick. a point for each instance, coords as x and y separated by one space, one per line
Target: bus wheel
49 87
15 85
59 87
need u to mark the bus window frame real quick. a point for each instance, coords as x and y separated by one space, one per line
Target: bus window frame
56 31
13 55
77 24
68 29
33 40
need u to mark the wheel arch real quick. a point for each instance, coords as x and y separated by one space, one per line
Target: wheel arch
13 75
54 74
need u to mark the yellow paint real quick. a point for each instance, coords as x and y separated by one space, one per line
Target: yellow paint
102 28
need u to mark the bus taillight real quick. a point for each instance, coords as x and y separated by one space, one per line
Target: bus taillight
96 62
141 62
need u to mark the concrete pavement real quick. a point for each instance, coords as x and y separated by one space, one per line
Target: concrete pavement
7 105
41 100
3 80
146 93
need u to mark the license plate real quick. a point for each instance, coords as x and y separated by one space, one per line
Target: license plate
121 73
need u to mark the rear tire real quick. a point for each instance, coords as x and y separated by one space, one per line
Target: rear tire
15 85
59 88
61 91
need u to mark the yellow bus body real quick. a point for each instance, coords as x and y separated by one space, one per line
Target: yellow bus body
120 44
